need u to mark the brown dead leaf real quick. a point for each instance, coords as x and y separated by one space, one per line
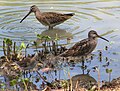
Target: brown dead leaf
47 89
46 69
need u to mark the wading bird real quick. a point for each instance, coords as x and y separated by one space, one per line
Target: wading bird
50 19
85 46
30 62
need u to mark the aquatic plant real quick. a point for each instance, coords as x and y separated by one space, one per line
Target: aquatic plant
21 47
98 71
109 71
7 45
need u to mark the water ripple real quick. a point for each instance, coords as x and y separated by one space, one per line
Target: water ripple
87 14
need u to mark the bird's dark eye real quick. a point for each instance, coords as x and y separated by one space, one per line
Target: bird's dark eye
32 6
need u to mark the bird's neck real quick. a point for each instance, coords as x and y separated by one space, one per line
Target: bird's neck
37 12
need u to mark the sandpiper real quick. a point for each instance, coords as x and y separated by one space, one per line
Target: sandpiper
50 19
85 46
28 63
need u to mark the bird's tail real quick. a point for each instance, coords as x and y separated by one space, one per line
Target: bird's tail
70 14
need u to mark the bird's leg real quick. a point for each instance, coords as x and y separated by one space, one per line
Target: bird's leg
83 64
24 73
50 27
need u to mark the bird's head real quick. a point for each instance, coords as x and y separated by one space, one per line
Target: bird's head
33 8
93 34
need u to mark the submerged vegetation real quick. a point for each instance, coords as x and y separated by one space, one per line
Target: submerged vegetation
22 71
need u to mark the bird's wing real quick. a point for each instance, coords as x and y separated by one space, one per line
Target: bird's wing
78 49
83 48
53 18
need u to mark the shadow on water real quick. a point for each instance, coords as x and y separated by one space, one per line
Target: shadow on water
57 32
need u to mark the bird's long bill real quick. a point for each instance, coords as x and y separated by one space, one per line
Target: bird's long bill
25 16
103 38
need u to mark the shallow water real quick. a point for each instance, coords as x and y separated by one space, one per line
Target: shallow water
100 15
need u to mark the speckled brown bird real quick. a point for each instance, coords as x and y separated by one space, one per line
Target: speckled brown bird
30 62
83 47
50 19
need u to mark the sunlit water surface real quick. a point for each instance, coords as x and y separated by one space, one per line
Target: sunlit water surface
100 15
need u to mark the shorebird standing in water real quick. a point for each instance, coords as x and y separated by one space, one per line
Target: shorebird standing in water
30 62
83 47
50 19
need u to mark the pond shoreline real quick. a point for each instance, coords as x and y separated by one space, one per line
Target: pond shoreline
114 85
